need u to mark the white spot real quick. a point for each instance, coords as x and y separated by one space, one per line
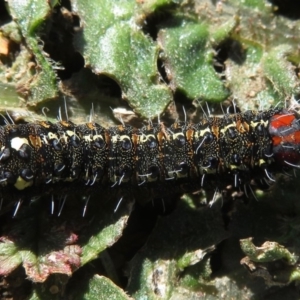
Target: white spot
87 138
98 136
201 133
70 133
233 124
144 138
115 138
52 135
123 111
16 143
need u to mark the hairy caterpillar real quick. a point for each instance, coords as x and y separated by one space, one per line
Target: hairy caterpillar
44 157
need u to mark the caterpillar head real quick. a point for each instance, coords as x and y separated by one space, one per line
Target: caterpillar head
284 129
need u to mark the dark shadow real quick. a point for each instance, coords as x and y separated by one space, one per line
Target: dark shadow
152 22
184 105
287 8
162 71
140 225
15 285
4 15
229 49
13 47
57 39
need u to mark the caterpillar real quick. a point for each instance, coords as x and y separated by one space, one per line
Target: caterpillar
43 157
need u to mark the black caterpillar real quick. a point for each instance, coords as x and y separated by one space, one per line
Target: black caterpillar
40 157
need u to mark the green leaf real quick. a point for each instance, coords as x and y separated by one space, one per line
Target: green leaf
280 72
108 227
268 252
47 245
178 241
41 246
247 81
188 59
113 45
100 288
260 5
30 16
